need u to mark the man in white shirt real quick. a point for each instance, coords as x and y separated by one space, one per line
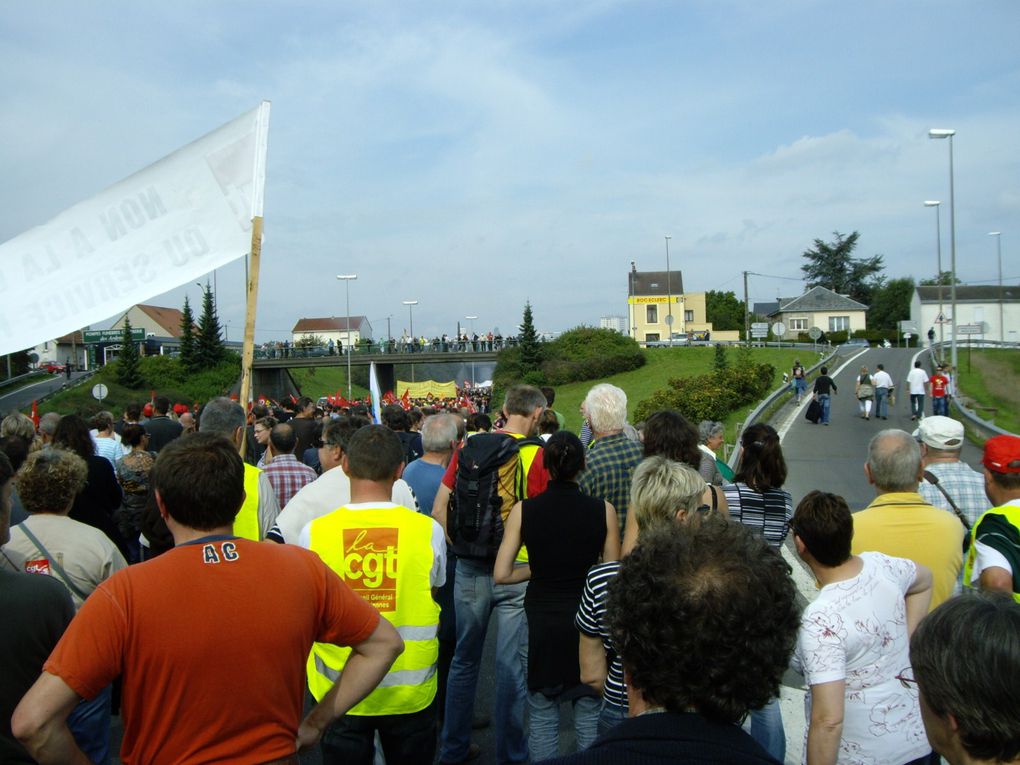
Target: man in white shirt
883 387
917 383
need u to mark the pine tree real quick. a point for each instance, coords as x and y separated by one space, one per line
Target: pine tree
188 350
209 348
531 353
129 373
721 363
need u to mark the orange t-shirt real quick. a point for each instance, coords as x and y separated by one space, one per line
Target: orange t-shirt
211 640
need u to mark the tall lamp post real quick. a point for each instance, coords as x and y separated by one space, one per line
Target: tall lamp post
669 296
938 254
998 247
410 318
939 133
347 279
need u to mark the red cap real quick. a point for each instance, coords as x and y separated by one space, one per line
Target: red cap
180 409
147 410
1002 454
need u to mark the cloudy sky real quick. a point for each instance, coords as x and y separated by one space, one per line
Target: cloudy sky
473 156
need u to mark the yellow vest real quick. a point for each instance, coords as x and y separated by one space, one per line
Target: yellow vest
528 454
1012 515
246 524
385 555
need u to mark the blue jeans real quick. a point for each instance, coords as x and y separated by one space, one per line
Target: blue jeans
89 723
881 402
544 724
940 406
611 716
767 729
917 405
476 597
799 387
823 399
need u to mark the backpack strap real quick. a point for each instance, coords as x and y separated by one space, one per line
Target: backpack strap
61 574
931 478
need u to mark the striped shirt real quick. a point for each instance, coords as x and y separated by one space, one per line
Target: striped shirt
591 621
288 476
964 484
767 512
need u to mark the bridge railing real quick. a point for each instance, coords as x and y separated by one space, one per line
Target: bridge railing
395 347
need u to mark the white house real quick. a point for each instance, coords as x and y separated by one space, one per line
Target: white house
978 309
333 328
821 307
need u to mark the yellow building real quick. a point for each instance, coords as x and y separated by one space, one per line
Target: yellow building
656 301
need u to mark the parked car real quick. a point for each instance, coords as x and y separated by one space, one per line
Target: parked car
857 341
52 367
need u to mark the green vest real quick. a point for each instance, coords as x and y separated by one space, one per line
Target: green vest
1007 518
385 555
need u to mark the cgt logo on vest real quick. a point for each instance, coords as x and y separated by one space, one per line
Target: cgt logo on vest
370 565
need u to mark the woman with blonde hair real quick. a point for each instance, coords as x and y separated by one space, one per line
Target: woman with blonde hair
865 391
663 492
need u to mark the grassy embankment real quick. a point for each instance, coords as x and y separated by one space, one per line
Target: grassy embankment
989 381
325 381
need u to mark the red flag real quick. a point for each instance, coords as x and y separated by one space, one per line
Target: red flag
293 399
35 413
405 400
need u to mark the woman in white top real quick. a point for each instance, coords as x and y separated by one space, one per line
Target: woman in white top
853 644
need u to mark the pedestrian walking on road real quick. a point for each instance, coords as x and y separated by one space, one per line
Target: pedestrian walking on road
823 391
865 392
883 392
917 383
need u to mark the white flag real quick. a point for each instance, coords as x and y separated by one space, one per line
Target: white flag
164 226
373 388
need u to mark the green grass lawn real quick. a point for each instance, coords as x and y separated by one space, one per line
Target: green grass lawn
989 379
664 363
325 381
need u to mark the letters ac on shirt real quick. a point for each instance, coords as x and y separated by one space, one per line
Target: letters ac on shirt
370 565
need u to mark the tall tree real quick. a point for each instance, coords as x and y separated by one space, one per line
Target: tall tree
209 348
832 265
945 279
890 303
531 353
129 373
724 310
188 348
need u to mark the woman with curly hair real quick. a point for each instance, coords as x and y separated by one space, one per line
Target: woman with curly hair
565 532
96 503
133 475
757 500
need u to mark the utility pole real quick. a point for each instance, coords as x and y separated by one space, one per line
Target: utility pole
747 315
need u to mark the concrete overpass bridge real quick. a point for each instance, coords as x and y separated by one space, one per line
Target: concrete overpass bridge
271 372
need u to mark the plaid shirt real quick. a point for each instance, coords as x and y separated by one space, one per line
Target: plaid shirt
288 477
609 463
964 484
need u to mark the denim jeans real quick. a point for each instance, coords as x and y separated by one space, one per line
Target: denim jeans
409 738
940 406
917 405
881 402
799 387
767 729
544 724
89 723
823 399
476 597
610 716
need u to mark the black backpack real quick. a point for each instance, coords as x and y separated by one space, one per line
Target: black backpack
490 479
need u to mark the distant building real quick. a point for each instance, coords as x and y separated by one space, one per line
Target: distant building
68 348
333 328
154 320
615 323
820 307
654 298
977 308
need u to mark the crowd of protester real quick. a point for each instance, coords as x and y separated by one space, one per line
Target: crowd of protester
631 573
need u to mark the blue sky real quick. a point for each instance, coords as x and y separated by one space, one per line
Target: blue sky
473 156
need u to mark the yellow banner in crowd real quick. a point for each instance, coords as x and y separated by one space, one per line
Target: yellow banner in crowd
641 300
424 388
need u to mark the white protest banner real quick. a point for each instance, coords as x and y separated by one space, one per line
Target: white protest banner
164 226
373 388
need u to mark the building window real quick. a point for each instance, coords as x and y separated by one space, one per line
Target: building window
798 324
651 337
839 323
688 315
652 316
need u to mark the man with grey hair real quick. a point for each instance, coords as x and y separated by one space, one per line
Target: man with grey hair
947 480
612 456
258 513
901 524
48 426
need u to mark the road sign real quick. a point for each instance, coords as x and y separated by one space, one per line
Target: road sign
814 333
941 319
759 333
970 329
779 329
112 335
760 325
100 391
907 336
669 320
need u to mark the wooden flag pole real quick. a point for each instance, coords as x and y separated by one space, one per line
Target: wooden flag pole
248 349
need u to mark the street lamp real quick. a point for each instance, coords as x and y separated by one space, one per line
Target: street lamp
939 133
669 296
938 254
410 318
472 320
998 247
347 279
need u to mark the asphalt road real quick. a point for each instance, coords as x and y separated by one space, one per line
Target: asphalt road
22 398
